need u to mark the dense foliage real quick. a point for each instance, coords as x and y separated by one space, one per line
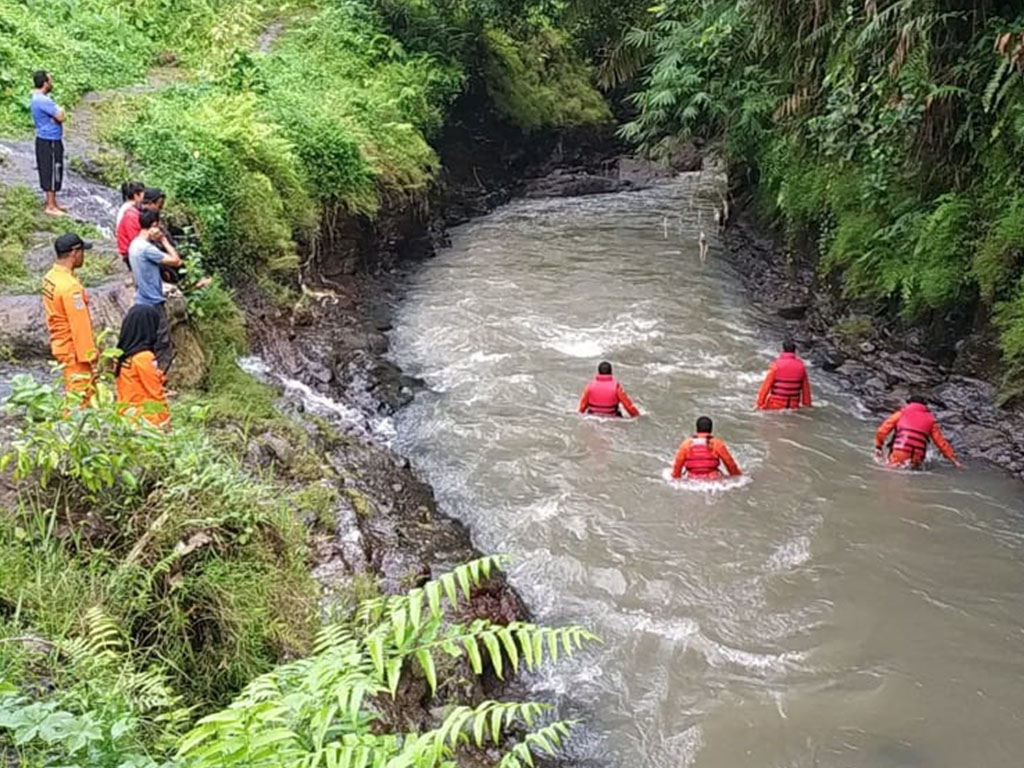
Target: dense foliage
886 131
164 533
333 110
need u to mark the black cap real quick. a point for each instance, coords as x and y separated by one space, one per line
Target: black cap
69 242
152 194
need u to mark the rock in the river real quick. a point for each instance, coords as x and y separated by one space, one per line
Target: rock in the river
976 438
792 311
640 173
573 184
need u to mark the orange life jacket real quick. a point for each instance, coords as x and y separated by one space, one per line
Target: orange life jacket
913 431
788 385
603 395
701 460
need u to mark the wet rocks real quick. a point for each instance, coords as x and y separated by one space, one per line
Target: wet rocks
562 183
792 311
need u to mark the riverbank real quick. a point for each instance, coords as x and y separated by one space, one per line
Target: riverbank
876 356
274 508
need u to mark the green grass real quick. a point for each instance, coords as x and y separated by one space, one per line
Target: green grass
21 222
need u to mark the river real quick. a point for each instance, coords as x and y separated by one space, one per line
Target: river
822 613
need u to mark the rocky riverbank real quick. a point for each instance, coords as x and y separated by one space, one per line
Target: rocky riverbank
875 356
333 344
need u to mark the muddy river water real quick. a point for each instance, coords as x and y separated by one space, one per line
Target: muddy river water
823 612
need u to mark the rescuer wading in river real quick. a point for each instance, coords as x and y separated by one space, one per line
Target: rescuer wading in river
786 385
914 426
604 395
702 455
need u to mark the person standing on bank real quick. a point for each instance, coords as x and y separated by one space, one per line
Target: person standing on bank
128 227
66 306
140 382
131 197
148 253
49 120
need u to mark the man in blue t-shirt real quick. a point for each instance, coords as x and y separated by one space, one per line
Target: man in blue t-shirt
148 252
49 120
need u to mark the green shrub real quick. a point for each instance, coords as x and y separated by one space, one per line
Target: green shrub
203 564
540 82
85 44
329 709
233 174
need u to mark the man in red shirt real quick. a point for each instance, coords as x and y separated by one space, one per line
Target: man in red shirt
604 395
129 228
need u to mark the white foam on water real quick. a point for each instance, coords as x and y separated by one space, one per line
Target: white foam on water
687 633
792 554
595 341
465 370
709 487
380 427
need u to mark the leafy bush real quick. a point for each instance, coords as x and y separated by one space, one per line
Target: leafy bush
235 174
165 532
540 82
86 44
321 711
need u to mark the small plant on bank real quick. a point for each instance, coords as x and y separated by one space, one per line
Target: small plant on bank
322 711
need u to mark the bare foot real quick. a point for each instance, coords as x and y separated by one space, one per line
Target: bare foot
63 208
54 212
170 393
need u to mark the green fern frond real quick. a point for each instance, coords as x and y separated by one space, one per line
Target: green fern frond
548 739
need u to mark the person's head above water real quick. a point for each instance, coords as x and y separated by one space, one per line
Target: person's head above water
704 424
917 399
605 369
789 346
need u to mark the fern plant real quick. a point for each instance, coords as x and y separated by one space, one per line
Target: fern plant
105 713
324 711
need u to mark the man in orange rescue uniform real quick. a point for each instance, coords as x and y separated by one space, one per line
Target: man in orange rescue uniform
915 426
604 395
66 305
703 455
786 385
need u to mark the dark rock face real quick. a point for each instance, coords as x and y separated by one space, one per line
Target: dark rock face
879 360
573 184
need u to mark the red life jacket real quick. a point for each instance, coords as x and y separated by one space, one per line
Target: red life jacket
701 461
913 431
603 396
788 385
